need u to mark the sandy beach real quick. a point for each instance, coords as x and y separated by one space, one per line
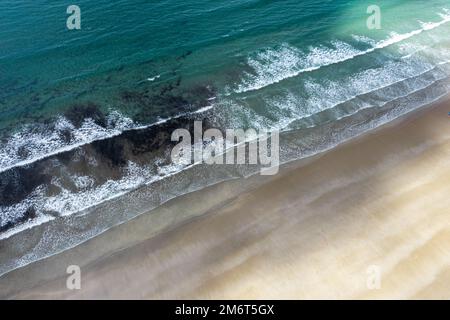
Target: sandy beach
377 205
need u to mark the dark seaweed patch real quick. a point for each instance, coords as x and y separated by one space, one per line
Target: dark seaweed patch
17 184
65 157
111 149
130 96
79 112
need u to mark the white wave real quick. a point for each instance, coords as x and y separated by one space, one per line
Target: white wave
66 203
329 94
273 66
204 109
32 144
364 39
40 144
151 79
413 105
15 212
83 182
25 226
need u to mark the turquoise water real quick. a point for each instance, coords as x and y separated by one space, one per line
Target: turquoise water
78 106
45 67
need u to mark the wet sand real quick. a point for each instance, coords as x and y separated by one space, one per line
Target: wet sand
377 207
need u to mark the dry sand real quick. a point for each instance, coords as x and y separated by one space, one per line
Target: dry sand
320 230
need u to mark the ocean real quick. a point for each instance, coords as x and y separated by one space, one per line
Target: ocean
87 115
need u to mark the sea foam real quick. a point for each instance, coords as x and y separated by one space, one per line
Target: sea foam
275 65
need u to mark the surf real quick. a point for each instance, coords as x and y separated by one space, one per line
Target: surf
274 66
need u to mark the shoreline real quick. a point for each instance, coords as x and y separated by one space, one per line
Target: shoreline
106 256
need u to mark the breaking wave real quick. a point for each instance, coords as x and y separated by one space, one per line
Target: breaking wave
275 65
